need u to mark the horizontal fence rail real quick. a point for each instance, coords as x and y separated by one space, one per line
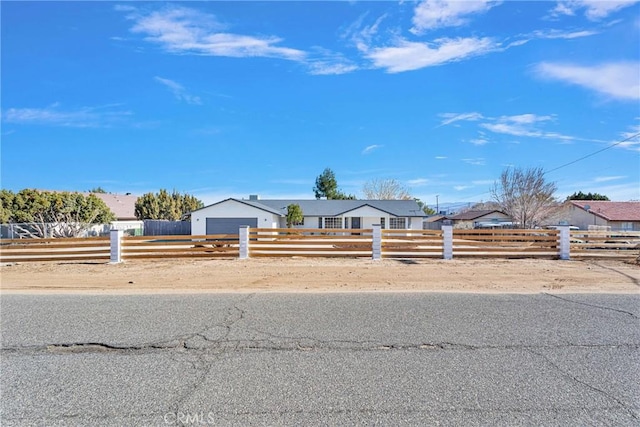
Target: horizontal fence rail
506 243
605 244
55 249
333 242
412 244
204 246
310 242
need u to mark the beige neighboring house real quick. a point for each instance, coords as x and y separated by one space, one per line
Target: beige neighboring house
481 219
123 207
619 216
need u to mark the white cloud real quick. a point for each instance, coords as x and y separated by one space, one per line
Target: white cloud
593 9
559 34
84 117
184 30
608 178
479 141
631 138
440 157
619 80
479 161
371 148
523 125
407 56
455 117
179 91
418 182
431 14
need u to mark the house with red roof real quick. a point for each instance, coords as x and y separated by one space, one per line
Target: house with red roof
620 216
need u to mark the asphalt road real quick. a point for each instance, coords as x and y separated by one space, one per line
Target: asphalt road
321 359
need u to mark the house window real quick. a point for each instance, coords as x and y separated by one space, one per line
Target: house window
626 226
398 223
382 222
333 222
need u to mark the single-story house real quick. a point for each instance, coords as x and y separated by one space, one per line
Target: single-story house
434 222
228 215
620 216
481 219
123 207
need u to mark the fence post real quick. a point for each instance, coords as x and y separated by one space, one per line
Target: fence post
564 249
447 241
244 241
377 242
116 246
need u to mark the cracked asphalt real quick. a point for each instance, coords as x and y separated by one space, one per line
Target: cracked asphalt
329 359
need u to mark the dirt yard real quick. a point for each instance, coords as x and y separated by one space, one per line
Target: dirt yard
322 275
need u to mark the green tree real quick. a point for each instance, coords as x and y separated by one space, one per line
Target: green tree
6 205
426 209
327 186
525 195
53 214
588 196
165 205
98 190
294 215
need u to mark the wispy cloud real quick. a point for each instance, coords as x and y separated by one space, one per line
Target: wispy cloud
432 14
618 80
179 91
456 117
183 30
479 141
440 157
53 115
371 148
561 34
524 125
406 55
632 138
478 161
419 182
608 178
594 10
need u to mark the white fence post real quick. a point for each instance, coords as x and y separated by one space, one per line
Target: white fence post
447 241
564 250
116 246
377 242
244 241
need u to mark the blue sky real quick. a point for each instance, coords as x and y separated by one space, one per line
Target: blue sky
227 99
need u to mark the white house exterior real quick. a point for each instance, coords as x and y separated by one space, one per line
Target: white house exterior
227 216
481 219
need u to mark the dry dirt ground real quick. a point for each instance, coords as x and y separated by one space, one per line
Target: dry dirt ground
322 275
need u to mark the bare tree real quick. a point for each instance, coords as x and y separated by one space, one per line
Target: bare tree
385 189
525 195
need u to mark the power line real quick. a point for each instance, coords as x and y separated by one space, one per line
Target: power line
594 153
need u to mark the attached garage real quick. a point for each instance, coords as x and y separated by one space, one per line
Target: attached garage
228 225
227 216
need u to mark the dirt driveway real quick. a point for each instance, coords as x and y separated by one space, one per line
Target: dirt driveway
322 275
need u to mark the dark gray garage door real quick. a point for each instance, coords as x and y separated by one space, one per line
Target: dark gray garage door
228 225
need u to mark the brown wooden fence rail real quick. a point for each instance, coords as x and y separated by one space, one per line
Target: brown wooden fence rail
312 242
63 249
506 243
412 244
605 244
204 246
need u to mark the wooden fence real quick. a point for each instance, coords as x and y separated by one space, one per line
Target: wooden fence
604 244
506 243
59 249
205 246
270 242
315 242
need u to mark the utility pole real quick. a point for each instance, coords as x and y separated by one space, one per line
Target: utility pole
437 205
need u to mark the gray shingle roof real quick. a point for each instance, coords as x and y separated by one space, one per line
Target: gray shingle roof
327 208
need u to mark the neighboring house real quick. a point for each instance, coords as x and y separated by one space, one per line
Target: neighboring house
620 216
481 219
228 215
434 222
123 207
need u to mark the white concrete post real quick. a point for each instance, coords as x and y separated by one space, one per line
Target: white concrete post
244 241
564 249
116 246
447 241
377 242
